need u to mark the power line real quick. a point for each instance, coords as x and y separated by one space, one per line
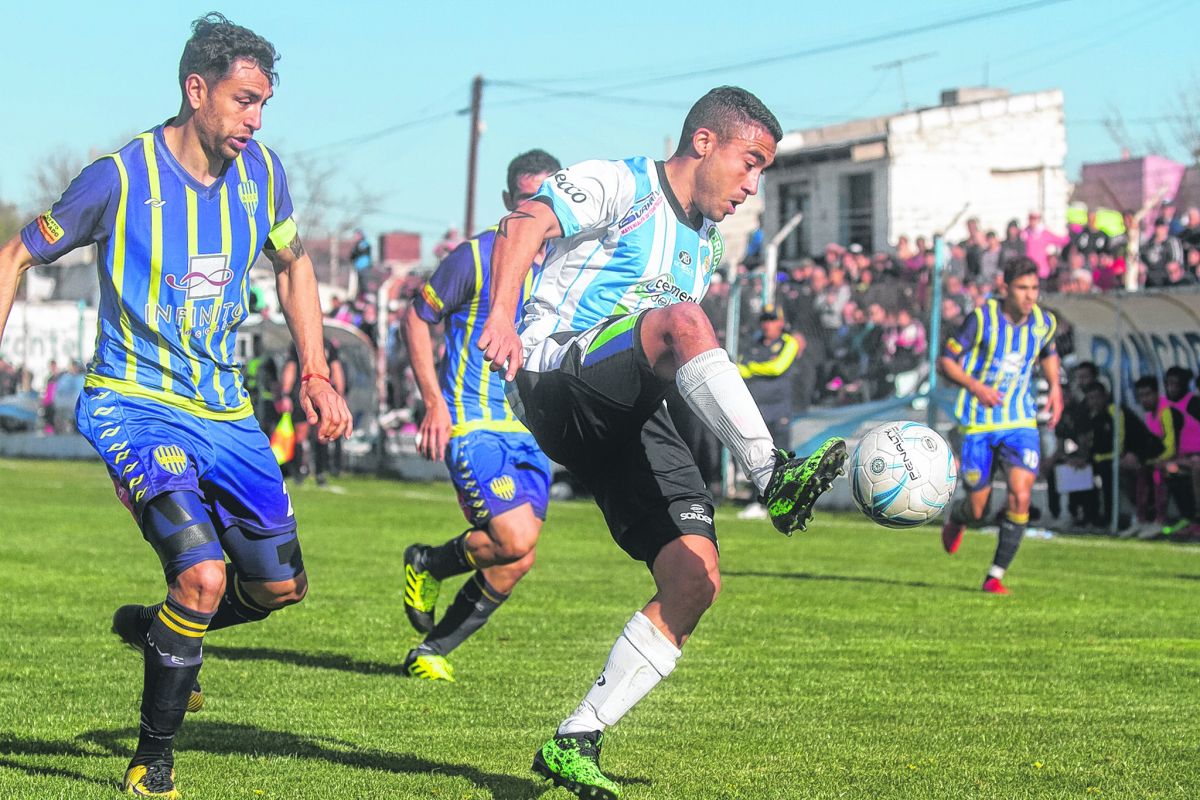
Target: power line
846 45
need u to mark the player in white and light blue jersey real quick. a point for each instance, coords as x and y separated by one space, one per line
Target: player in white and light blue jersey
612 325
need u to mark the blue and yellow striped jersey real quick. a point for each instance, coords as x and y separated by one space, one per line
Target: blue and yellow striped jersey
1002 355
458 293
173 260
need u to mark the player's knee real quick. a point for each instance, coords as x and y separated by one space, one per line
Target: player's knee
514 546
1019 499
687 321
277 594
201 585
699 585
522 566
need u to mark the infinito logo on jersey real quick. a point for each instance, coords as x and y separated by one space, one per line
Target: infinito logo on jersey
643 209
248 194
171 458
206 277
503 487
572 191
49 227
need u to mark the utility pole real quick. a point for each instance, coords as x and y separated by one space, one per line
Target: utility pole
473 154
898 65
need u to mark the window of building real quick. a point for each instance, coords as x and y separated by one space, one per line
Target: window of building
856 210
793 197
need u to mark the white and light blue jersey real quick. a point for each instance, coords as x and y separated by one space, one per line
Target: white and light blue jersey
626 246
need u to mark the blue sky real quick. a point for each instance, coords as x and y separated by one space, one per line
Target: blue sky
83 76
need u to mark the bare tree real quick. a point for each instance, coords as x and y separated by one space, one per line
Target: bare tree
1118 131
10 221
51 174
1185 123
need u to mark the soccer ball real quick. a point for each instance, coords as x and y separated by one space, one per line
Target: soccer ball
902 474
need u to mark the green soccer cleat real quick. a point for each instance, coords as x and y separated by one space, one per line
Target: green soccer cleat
797 482
420 589
156 779
573 762
428 666
130 627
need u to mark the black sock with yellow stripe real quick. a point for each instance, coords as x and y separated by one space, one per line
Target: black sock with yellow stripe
475 602
451 558
1012 531
237 606
173 654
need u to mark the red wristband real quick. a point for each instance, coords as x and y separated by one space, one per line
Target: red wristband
317 375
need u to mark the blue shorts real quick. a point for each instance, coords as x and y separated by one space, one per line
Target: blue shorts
1018 447
496 472
151 448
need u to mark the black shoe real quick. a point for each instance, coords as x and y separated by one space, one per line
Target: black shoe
130 625
797 482
420 589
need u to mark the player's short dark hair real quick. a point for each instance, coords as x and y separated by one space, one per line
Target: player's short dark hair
533 162
217 44
725 109
1088 365
1018 268
1147 382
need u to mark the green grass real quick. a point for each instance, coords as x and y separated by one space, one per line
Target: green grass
850 662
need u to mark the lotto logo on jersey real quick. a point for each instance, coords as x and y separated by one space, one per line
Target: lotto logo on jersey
171 458
50 229
504 487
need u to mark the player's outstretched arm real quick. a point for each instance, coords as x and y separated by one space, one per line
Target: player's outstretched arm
519 237
14 260
434 434
296 285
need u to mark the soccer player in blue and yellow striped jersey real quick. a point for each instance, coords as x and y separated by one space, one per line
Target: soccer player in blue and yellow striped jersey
501 474
992 359
179 215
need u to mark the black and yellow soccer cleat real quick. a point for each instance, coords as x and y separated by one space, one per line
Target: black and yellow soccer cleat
130 623
156 779
797 482
427 666
573 762
420 589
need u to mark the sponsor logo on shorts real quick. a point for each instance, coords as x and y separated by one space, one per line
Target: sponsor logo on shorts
171 458
696 512
248 194
503 487
49 227
973 476
643 209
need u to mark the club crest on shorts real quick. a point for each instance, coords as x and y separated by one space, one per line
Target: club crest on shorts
171 458
504 487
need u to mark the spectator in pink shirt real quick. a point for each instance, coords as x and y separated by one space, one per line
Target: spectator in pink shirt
1039 241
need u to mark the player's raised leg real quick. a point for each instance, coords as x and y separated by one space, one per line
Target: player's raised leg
680 344
687 578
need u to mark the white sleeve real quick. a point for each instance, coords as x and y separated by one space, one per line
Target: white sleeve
589 195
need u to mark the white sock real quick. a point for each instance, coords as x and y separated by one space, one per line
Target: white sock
715 391
642 657
996 572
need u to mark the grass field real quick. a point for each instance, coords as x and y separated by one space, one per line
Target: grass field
850 662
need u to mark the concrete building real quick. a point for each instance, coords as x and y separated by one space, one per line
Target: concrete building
872 180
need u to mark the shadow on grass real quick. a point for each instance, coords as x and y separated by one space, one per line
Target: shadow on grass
229 739
1188 577
301 659
812 576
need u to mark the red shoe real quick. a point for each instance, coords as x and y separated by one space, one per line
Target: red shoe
994 586
952 533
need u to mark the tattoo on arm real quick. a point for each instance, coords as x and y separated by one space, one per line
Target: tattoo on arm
297 247
502 229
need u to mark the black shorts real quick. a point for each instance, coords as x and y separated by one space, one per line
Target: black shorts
601 415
